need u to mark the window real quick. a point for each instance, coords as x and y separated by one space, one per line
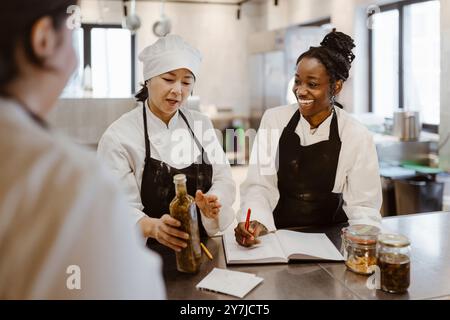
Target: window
422 60
405 60
385 63
106 62
110 48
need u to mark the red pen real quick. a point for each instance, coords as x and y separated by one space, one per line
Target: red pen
247 222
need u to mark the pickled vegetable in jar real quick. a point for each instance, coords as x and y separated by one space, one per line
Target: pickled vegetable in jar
183 208
359 248
393 253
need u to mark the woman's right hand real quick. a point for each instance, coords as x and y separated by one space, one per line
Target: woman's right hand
165 231
248 238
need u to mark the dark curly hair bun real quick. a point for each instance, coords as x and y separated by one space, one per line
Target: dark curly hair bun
339 45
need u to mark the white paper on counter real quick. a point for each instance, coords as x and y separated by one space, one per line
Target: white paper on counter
234 283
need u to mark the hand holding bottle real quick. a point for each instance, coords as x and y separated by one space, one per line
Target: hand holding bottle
167 233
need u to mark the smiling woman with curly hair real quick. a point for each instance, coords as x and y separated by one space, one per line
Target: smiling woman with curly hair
325 168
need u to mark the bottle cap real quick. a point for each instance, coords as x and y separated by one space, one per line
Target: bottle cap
179 178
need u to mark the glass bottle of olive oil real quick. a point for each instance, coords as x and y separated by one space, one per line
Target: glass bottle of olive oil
183 208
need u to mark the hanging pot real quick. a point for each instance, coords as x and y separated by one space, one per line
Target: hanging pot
161 28
131 21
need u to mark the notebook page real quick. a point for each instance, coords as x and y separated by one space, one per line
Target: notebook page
312 245
234 283
269 250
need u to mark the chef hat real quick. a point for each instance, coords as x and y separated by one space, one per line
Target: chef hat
169 53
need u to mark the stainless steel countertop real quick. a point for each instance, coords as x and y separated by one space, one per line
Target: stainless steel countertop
430 269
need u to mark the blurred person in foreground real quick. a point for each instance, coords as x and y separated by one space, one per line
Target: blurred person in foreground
60 213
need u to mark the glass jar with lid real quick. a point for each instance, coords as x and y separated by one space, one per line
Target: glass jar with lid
393 253
359 248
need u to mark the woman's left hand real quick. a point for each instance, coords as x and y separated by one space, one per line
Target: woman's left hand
208 204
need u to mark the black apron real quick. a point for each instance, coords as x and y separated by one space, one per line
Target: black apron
158 189
306 176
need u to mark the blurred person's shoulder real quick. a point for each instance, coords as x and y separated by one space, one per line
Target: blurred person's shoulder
39 157
50 190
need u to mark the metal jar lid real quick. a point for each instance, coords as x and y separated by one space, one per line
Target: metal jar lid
393 240
361 234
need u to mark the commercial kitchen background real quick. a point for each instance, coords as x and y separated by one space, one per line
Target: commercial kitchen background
249 50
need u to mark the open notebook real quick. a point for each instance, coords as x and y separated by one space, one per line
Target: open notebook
280 247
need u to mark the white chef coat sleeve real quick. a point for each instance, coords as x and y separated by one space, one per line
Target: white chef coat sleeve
223 185
118 160
96 243
259 191
362 185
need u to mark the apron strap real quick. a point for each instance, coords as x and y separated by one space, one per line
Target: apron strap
192 132
292 125
147 140
334 132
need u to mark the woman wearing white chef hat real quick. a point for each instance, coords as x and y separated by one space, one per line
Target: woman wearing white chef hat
142 148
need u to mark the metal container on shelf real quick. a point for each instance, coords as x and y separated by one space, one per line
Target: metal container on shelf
407 125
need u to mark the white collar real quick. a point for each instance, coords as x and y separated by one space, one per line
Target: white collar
157 121
322 129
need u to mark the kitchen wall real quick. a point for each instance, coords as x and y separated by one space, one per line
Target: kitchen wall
85 120
291 12
213 29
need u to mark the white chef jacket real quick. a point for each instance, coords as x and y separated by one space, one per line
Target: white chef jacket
59 209
122 147
357 176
